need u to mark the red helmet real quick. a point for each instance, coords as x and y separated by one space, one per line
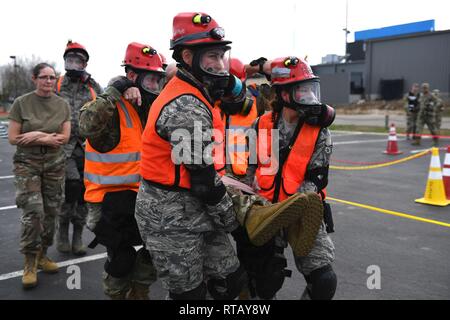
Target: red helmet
194 28
144 57
290 70
237 69
163 59
75 47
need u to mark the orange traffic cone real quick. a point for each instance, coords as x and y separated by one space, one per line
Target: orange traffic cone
435 193
392 147
446 173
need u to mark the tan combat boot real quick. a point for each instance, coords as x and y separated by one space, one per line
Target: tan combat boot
45 263
29 278
138 292
263 222
302 234
62 238
78 248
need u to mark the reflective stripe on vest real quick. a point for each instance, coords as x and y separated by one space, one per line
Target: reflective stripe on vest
91 90
157 165
98 179
113 158
237 126
118 169
294 168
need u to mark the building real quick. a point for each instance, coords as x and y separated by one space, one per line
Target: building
384 63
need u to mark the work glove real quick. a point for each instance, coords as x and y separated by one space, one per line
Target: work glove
122 84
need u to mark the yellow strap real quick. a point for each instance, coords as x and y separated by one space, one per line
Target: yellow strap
382 164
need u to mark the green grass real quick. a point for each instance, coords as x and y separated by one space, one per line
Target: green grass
444 132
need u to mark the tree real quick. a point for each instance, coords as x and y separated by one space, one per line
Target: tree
16 80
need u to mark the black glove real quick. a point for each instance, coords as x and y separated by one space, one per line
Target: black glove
122 84
203 186
259 61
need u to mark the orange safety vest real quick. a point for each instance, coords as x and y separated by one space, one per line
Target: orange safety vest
236 143
157 165
91 90
118 169
275 185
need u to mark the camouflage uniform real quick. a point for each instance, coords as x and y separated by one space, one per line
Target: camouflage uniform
427 115
439 109
412 110
99 121
187 239
322 254
76 93
39 181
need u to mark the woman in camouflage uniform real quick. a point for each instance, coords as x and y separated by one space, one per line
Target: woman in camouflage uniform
39 127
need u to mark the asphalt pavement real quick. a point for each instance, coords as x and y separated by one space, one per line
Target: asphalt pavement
379 255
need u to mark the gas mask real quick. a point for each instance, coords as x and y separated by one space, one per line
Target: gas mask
150 85
234 105
305 99
75 64
211 66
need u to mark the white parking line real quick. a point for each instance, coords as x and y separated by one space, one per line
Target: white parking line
19 273
7 208
361 141
6 177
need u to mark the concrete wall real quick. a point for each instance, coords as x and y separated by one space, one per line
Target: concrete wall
335 88
421 58
335 81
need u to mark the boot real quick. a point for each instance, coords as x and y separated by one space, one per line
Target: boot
62 239
29 278
302 234
45 263
78 248
263 222
416 142
138 292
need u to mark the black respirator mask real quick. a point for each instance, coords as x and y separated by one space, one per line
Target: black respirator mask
75 64
150 85
210 66
237 105
305 99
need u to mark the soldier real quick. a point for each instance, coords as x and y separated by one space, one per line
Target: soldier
439 109
305 147
427 115
39 127
236 125
412 109
77 87
183 209
113 126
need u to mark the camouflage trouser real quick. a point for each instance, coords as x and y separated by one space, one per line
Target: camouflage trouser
39 181
411 123
74 211
143 272
430 122
438 121
184 258
322 254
